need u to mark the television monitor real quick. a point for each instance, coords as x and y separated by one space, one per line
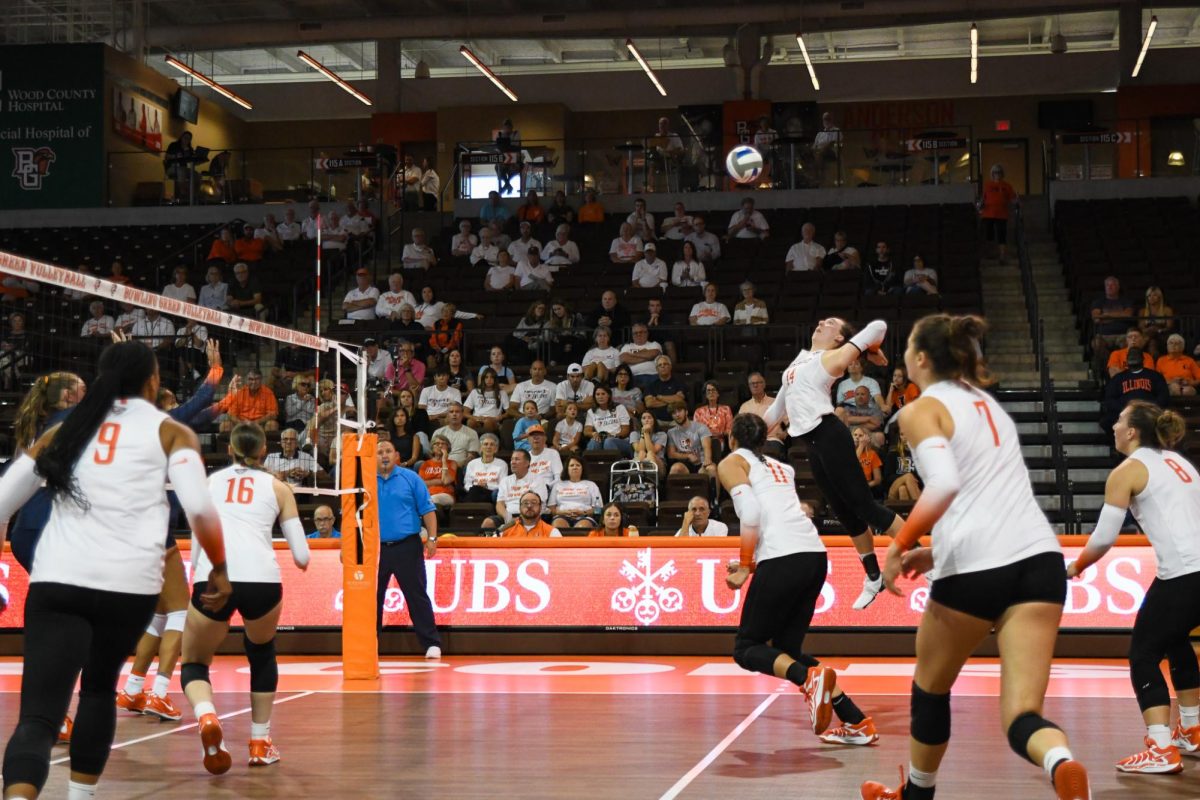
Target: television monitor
185 106
1065 114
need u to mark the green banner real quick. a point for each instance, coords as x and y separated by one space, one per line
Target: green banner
51 126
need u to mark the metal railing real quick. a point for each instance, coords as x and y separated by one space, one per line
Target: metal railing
1126 148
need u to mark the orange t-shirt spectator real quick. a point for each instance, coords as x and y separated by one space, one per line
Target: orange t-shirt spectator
1119 359
1177 365
998 196
223 248
541 530
531 211
436 472
592 210
248 248
251 403
870 462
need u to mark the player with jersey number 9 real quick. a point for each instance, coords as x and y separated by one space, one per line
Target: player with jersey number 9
1162 489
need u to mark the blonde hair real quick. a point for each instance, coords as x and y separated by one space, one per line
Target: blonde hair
1156 426
42 398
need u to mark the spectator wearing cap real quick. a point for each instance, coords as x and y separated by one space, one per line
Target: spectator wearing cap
805 255
378 361
1135 382
463 242
359 303
1179 371
575 389
248 247
710 311
562 252
518 249
651 271
626 248
544 461
486 253
418 254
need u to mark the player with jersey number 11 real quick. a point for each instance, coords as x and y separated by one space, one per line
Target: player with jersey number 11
780 545
1162 489
997 562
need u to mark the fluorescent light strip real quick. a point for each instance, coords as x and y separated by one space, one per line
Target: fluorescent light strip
207 81
491 76
1145 45
974 53
812 73
645 67
328 73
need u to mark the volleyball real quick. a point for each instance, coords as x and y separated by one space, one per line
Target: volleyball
744 164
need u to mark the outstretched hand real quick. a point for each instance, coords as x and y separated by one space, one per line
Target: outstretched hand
877 358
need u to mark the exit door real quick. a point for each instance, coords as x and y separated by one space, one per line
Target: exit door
1012 155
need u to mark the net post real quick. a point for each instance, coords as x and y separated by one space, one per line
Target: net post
360 558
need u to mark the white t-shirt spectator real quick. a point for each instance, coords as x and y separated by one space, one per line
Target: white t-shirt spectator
462 245
648 274
379 367
127 319
529 276
309 228
709 313
329 232
607 420
567 394
183 293
390 302
518 251
489 253
643 226
845 389
576 498
153 332
715 528
479 404
676 228
356 294
195 338
429 313
565 432
805 256
437 401
511 488
499 277
610 357
481 474
645 367
686 273
913 275
625 250
540 393
288 231
560 255
278 462
214 296
418 256
547 465
758 224
97 327
463 442
749 315
708 246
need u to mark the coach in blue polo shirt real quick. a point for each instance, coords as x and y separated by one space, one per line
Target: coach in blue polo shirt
404 507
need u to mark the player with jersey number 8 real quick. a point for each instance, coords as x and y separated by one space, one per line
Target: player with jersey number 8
1162 489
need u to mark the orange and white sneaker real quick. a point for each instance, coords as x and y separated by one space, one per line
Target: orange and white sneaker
818 688
1071 782
1186 740
64 732
133 703
263 752
1153 760
162 707
870 790
862 734
216 757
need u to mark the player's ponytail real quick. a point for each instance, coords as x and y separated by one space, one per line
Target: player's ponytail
124 370
1170 428
246 442
954 346
42 398
1155 427
750 432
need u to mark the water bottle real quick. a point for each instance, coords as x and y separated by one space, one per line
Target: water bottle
632 531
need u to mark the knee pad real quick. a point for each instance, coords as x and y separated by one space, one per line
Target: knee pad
157 622
264 668
930 717
175 620
1022 730
193 672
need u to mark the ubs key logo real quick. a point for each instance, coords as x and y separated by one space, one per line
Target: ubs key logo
31 165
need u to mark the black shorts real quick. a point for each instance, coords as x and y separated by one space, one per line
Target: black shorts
252 600
996 230
988 593
170 539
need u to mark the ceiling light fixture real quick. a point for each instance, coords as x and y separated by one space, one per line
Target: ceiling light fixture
812 73
333 76
1145 45
974 53
487 72
209 82
646 67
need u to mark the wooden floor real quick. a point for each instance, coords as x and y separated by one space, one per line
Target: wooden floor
605 728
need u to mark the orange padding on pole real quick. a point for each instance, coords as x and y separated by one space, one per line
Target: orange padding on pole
360 639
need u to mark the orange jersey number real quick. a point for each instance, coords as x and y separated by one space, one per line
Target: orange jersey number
1178 469
107 439
982 407
777 472
244 488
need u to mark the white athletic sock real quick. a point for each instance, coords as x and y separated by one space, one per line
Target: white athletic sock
134 683
1054 756
161 683
926 780
201 709
1161 734
260 730
1189 716
80 791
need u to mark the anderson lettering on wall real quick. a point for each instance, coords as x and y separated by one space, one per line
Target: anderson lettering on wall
51 126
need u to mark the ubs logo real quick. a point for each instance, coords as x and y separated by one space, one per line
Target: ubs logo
31 165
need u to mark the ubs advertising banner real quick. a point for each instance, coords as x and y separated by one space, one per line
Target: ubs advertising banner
51 126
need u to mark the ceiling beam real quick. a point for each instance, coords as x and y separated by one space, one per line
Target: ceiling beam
356 57
1047 31
829 46
288 59
1194 28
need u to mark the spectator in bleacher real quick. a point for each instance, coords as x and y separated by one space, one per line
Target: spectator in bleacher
531 210
116 274
826 145
861 411
689 444
291 464
323 522
1135 382
505 377
640 356
311 223
268 232
378 361
707 244
868 459
1157 321
544 462
1111 317
559 212
1117 359
487 403
664 391
900 472
245 294
651 271
445 336
759 400
612 523
561 252
288 230
710 311
747 223
439 472
334 239
462 439
180 289
214 293
537 389
565 333
1180 371
568 431
698 521
430 184
529 419
716 416
418 420
649 443
460 376
750 310
836 254
529 522
805 255
436 400
642 221
290 361
128 317
527 337
499 237
323 427
389 303
359 303
592 210
222 249
574 501
14 352
251 403
602 359
482 478
463 242
493 210
408 331
99 325
191 342
429 310
688 270
920 279
607 424
575 389
610 314
156 332
249 248
882 277
300 406
418 254
409 178
406 370
626 248
532 275
625 390
851 259
996 201
518 249
901 392
678 226
486 252
854 379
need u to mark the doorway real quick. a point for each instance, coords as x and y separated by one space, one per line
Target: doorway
1012 154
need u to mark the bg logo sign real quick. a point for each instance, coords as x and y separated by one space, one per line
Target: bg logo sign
31 165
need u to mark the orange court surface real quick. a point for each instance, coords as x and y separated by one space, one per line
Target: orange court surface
605 727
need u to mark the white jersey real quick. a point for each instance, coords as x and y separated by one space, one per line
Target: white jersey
783 528
117 544
994 520
1168 510
805 390
245 500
